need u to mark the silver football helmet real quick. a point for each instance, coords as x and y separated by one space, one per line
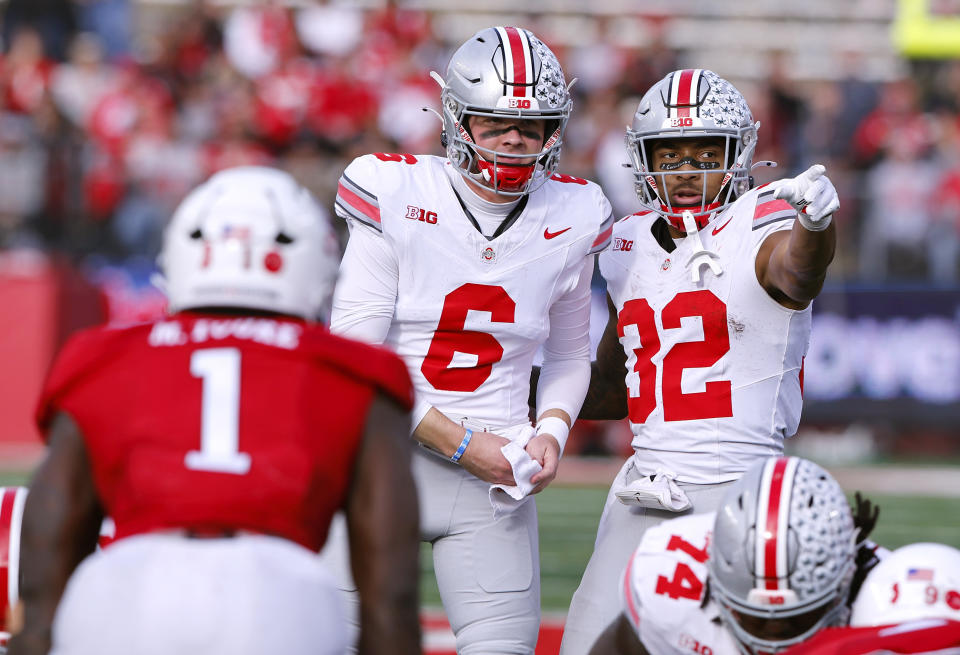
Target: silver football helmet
782 554
505 72
693 103
917 581
250 237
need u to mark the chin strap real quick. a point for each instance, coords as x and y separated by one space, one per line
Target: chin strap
701 256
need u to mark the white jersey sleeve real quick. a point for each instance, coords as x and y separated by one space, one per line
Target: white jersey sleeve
366 290
664 590
565 372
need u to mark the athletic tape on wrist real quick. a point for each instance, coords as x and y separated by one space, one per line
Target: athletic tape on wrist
557 427
814 226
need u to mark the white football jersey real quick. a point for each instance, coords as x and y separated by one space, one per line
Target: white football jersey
714 368
470 312
664 590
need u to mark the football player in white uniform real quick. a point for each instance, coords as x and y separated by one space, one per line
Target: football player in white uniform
768 569
709 290
465 265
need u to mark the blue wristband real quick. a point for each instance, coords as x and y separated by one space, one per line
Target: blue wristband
455 458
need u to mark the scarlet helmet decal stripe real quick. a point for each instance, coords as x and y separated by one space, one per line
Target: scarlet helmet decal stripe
684 93
517 60
773 510
13 586
11 511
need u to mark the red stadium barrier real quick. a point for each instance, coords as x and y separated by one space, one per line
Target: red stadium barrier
42 302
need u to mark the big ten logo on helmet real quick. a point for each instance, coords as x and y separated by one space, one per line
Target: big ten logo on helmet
622 244
421 214
518 103
685 121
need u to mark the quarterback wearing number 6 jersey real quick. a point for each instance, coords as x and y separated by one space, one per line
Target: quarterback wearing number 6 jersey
709 290
465 266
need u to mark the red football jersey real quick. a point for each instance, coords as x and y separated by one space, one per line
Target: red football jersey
221 422
917 636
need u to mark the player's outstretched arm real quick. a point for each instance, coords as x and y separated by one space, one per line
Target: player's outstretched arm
384 528
618 639
792 266
606 397
61 523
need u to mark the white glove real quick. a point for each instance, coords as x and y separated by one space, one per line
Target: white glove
813 195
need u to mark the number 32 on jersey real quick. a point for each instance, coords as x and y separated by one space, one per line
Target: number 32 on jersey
715 400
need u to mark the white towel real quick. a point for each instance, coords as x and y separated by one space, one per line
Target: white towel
506 498
661 492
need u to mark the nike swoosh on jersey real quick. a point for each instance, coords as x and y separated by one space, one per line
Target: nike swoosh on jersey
547 234
716 230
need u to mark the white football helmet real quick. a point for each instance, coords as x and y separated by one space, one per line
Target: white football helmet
694 103
250 237
918 581
782 554
506 72
11 515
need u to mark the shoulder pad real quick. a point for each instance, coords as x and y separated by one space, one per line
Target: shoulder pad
644 213
604 233
355 193
79 356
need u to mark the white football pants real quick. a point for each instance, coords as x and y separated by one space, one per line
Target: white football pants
597 601
159 594
488 572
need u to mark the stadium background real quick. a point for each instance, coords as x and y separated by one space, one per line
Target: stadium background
110 110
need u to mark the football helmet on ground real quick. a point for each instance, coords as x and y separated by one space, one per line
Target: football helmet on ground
692 103
917 581
782 554
250 237
504 72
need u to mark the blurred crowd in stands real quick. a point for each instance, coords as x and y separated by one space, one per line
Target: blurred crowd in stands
103 128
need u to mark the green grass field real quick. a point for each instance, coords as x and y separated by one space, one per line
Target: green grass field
569 517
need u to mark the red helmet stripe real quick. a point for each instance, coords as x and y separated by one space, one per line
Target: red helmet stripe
684 94
773 509
518 60
9 495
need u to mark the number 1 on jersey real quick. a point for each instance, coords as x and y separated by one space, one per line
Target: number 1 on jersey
219 368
